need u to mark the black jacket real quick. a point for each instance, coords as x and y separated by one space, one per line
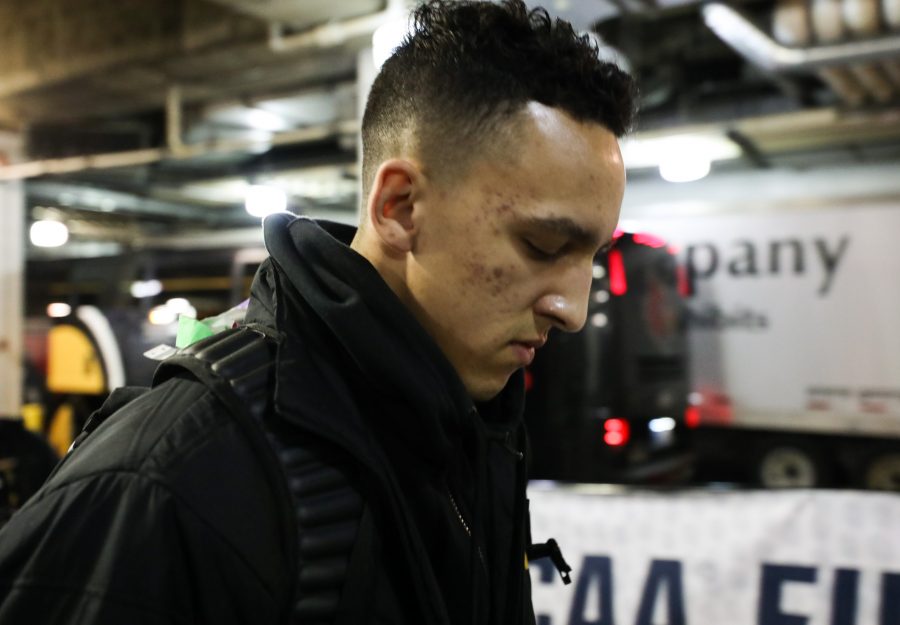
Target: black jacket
177 510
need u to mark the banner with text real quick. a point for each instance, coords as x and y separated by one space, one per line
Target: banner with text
718 558
793 316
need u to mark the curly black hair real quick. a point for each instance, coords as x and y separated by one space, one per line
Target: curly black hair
468 66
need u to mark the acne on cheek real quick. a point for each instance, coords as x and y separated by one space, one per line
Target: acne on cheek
484 278
499 279
476 270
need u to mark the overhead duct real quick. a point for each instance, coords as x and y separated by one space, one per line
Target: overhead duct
336 33
793 24
761 50
890 11
863 20
135 158
303 14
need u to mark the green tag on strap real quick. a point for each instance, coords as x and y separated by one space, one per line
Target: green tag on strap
190 331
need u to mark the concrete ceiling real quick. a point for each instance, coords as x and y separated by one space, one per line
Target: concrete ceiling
278 79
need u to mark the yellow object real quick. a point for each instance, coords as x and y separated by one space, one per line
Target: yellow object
62 429
33 417
526 561
73 364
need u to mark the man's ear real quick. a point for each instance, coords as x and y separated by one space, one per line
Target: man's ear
391 204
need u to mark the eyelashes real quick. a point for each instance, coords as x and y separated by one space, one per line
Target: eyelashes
541 253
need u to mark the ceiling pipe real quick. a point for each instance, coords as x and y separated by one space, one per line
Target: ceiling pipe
174 142
334 34
863 20
321 37
827 20
793 23
758 48
134 158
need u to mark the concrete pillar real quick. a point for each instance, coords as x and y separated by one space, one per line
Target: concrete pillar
12 270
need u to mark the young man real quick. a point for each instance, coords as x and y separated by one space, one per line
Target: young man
377 474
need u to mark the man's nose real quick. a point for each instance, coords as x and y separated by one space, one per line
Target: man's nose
565 304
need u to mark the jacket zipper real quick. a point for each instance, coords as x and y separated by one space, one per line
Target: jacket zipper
466 527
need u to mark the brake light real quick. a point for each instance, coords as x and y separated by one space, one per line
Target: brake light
616 432
692 416
618 284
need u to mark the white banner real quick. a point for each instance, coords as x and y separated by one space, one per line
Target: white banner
794 319
718 558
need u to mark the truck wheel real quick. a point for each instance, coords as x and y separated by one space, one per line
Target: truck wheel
883 472
789 466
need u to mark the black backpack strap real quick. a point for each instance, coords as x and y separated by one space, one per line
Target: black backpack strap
237 365
328 512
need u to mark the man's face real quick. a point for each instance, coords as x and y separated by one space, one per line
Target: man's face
505 251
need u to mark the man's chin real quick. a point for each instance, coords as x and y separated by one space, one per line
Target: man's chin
482 390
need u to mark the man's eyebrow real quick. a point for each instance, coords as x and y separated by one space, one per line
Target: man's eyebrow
580 235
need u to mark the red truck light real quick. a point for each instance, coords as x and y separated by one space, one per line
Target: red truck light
618 285
616 432
692 416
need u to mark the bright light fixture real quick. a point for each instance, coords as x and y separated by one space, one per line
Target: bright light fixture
599 320
181 307
681 157
169 312
261 200
685 169
387 38
261 119
48 233
145 288
162 316
58 309
178 304
662 424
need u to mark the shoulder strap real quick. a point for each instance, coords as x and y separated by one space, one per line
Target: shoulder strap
235 365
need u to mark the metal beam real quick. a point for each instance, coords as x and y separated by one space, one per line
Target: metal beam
761 50
106 201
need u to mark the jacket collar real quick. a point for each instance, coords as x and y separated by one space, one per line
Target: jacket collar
344 332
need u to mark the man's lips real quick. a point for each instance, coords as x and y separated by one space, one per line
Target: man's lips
524 350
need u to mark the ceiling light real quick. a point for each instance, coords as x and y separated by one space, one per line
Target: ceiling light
180 305
261 200
169 312
47 233
145 288
653 151
162 316
685 169
261 119
58 309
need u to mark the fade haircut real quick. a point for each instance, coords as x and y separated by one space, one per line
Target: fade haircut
467 68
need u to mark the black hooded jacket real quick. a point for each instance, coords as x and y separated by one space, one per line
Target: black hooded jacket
177 511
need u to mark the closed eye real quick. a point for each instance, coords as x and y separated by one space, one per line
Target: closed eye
541 252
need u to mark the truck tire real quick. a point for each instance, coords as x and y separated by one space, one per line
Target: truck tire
788 465
883 472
